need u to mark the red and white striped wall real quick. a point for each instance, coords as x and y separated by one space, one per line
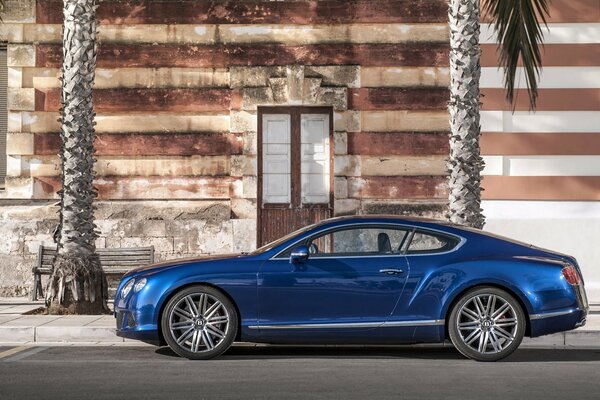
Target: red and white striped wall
542 175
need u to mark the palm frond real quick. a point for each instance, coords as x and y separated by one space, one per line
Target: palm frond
517 24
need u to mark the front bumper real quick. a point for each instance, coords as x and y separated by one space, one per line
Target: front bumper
131 325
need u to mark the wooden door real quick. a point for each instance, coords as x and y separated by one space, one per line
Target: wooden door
295 169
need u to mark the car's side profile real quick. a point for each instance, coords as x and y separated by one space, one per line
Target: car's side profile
358 280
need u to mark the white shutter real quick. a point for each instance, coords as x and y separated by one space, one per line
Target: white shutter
3 113
315 158
276 175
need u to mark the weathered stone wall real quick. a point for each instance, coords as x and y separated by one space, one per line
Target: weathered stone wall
176 229
177 89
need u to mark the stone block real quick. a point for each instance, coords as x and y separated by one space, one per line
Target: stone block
15 77
243 165
336 75
134 227
244 235
346 207
404 76
243 121
398 165
401 121
15 274
427 209
347 165
348 121
160 78
255 96
21 99
250 187
184 228
340 187
311 91
243 208
161 245
18 11
250 143
214 239
340 143
180 245
241 77
22 188
33 243
11 33
20 55
333 96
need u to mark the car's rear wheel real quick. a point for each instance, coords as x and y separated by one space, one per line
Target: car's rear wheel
487 324
199 323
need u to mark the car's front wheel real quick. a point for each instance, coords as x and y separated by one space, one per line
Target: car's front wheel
487 324
199 323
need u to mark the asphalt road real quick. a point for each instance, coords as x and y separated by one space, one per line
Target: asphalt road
295 373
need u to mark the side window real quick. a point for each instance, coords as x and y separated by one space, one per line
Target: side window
358 242
423 242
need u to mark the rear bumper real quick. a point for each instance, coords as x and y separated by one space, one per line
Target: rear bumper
558 321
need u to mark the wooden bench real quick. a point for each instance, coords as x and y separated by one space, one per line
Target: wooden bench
113 261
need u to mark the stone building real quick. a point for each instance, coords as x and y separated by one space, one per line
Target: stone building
225 124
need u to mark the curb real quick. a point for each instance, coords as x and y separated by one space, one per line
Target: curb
98 335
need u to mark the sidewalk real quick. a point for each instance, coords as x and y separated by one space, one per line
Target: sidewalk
16 328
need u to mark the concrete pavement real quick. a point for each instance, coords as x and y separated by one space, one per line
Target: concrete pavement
16 328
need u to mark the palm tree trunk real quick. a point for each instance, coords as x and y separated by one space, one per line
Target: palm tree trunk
465 161
78 284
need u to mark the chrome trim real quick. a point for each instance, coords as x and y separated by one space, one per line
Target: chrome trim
553 314
430 322
382 324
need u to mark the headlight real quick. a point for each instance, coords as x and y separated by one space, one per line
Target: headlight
139 285
127 288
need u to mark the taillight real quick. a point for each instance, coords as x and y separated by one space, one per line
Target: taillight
571 275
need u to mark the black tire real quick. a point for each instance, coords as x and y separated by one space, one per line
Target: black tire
178 320
485 326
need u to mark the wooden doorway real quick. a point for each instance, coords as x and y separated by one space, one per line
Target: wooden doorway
295 169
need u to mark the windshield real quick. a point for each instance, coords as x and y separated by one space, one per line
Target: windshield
284 239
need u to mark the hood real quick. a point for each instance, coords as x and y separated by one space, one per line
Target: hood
181 262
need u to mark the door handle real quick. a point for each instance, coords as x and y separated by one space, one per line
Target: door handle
391 271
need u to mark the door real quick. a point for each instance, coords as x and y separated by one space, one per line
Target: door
351 281
294 169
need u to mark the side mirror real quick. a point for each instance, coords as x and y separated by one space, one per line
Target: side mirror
299 254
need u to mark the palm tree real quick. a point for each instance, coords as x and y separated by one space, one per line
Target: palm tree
77 284
520 35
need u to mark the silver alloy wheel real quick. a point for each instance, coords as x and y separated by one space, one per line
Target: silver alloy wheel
487 323
199 322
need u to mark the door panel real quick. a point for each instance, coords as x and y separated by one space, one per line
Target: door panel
352 280
349 290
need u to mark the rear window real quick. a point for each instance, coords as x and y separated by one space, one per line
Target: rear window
427 242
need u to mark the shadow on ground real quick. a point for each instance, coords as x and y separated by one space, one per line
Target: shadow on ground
428 353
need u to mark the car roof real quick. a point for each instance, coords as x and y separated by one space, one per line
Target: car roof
388 218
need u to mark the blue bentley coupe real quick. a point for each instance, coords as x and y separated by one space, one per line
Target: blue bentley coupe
358 280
